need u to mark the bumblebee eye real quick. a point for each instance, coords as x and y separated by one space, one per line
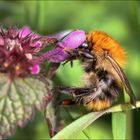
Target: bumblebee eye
84 45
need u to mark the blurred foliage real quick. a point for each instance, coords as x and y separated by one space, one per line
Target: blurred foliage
121 19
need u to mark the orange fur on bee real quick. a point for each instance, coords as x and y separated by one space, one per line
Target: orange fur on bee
98 105
101 41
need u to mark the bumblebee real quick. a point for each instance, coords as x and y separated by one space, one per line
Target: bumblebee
102 58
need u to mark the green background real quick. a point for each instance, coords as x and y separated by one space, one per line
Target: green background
120 19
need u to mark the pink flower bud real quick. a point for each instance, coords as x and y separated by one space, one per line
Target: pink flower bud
35 69
37 44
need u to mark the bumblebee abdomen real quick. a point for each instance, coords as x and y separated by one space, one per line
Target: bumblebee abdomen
98 105
106 90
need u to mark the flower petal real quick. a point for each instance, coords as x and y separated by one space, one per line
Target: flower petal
1 41
61 34
37 44
56 55
73 39
24 32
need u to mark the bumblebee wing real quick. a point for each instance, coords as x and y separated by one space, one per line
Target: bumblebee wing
123 78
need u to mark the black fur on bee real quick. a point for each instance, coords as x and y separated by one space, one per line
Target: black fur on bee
105 89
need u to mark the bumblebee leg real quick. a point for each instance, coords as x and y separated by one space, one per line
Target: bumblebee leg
79 94
86 54
67 102
71 62
76 91
72 56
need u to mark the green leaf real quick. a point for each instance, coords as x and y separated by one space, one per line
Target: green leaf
71 131
119 122
119 125
18 100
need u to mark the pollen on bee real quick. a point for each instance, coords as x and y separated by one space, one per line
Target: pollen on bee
98 105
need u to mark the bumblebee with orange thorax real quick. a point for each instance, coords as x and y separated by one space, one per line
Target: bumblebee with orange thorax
103 59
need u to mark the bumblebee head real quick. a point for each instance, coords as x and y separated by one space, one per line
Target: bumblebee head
84 45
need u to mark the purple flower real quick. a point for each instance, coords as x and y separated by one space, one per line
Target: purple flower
21 50
1 41
73 40
24 32
37 44
18 49
56 55
61 34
